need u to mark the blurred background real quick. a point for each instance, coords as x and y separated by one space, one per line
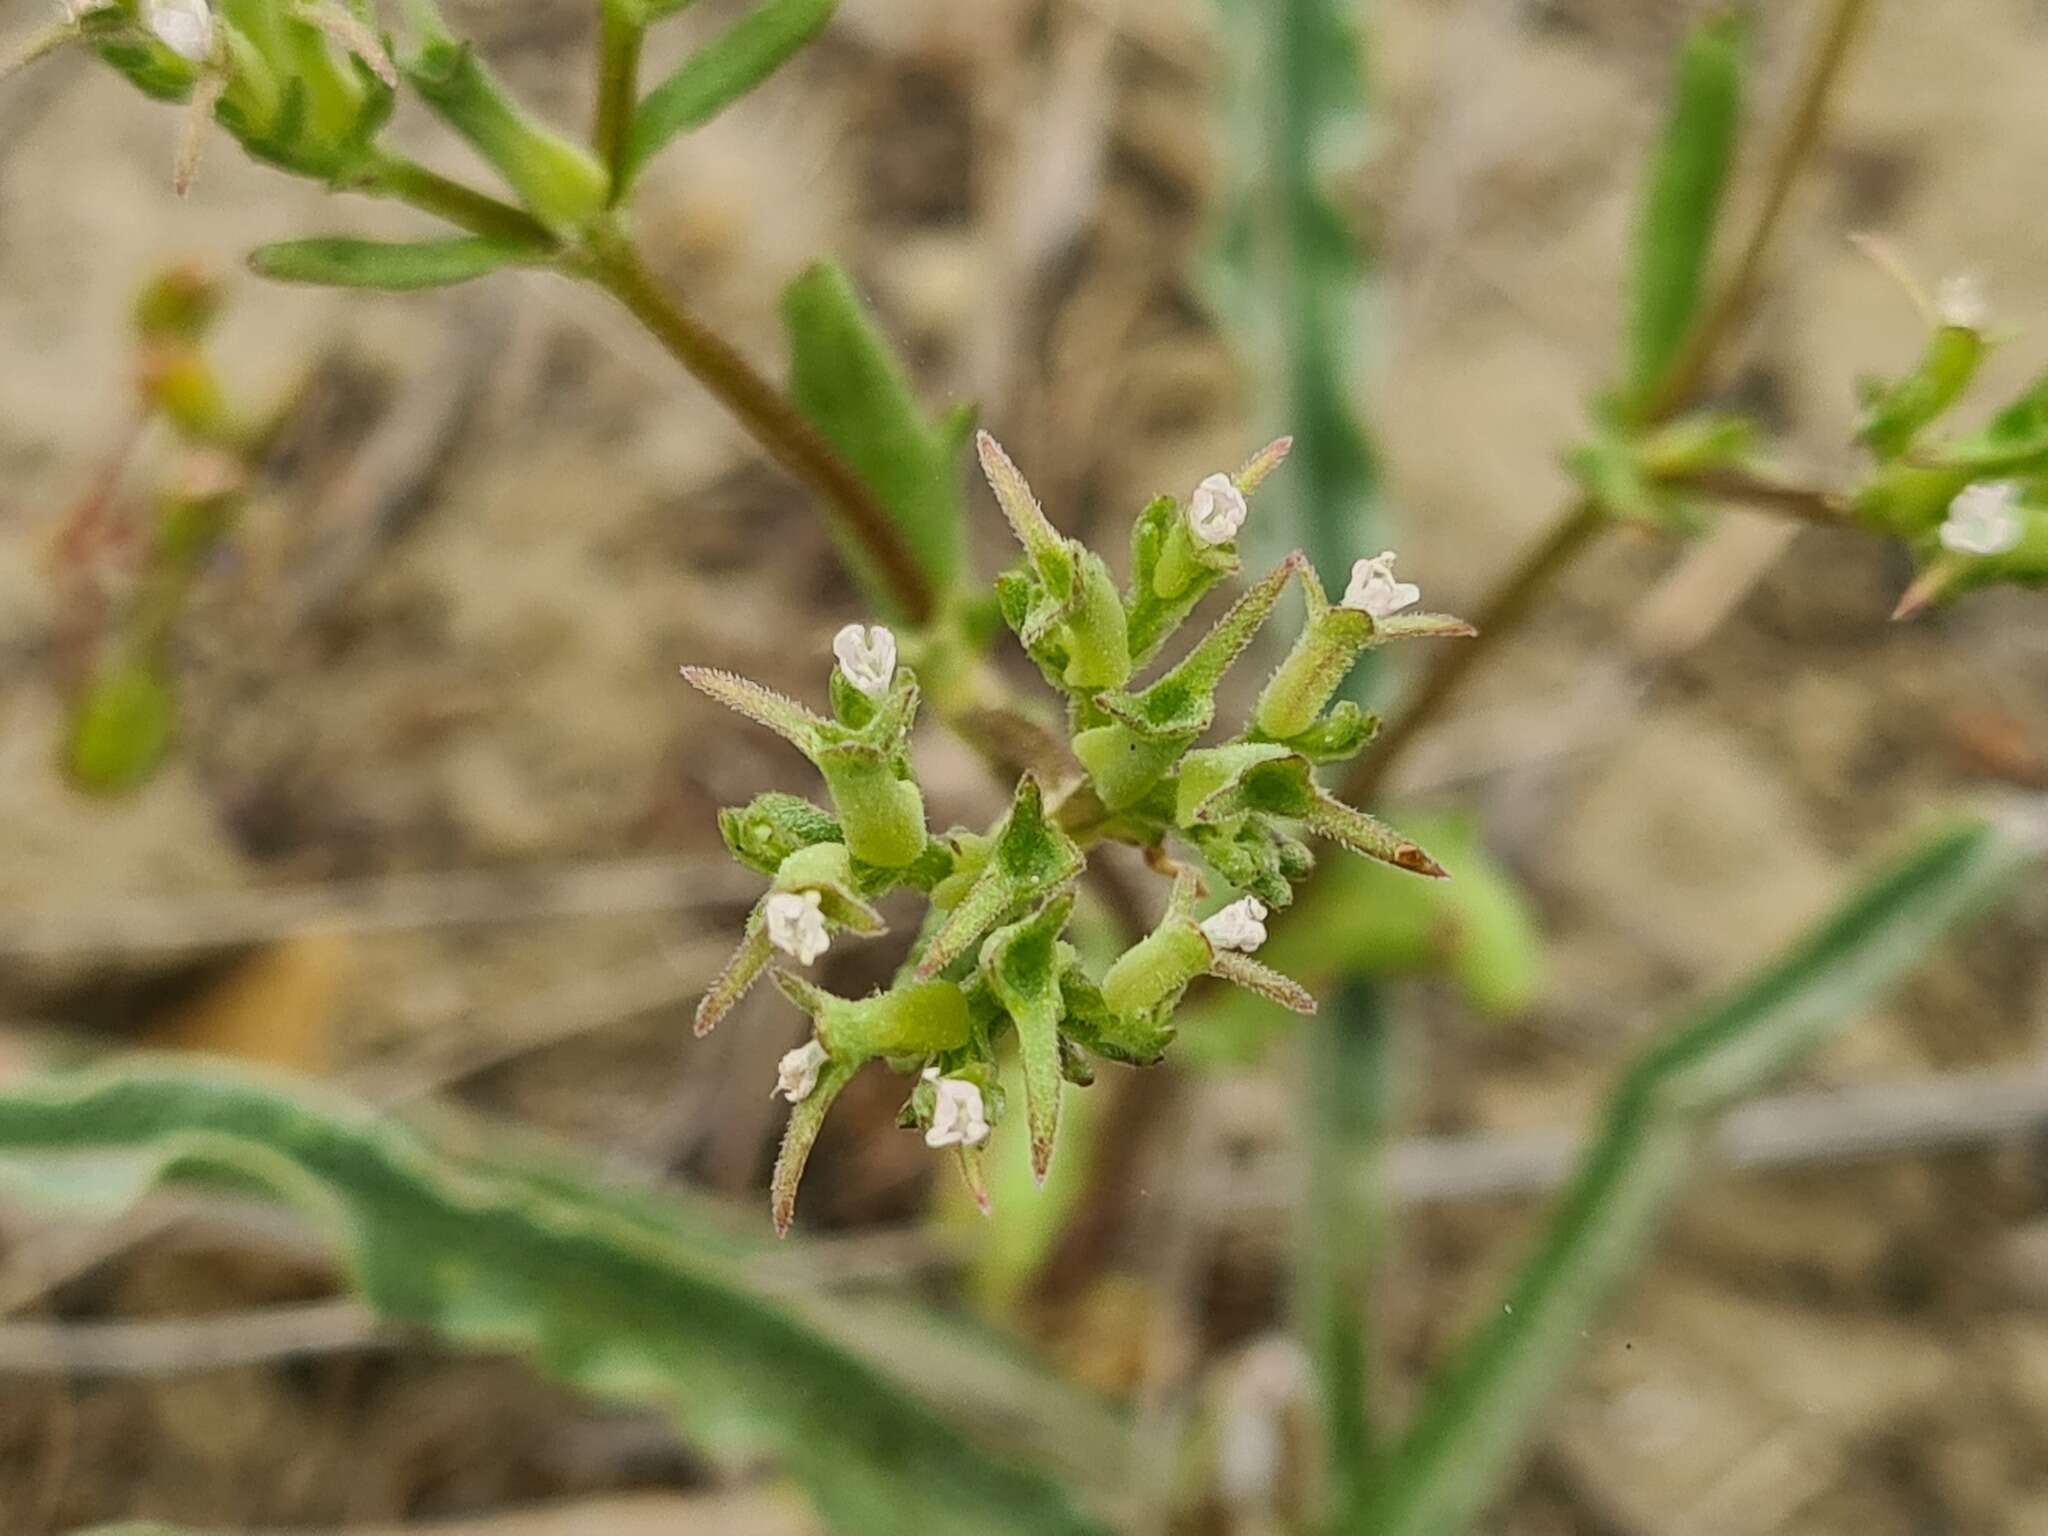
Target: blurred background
439 823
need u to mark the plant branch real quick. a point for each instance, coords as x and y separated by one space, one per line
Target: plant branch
769 418
1577 527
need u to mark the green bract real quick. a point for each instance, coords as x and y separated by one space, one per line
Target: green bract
991 962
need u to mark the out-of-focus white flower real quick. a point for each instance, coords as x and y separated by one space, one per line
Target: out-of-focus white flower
796 926
1984 519
797 1074
183 26
1373 589
1240 926
1216 511
1959 301
867 655
958 1118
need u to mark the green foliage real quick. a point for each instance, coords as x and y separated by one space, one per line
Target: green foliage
122 727
1000 901
629 1308
721 72
1483 1409
1374 923
1675 231
560 182
397 267
847 379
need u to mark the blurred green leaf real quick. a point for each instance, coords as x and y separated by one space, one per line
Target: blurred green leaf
610 1303
1675 231
720 73
121 728
1376 923
1485 1405
558 180
397 266
846 378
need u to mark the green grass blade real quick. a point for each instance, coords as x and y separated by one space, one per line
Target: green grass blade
606 1303
846 378
1688 178
396 267
1293 279
720 73
1485 1405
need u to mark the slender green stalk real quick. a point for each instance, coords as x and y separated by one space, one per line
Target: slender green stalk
618 88
613 264
1301 272
394 176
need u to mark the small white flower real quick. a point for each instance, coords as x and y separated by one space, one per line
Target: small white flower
1240 926
183 26
1959 301
868 658
797 1074
1373 589
1984 519
796 926
958 1119
1216 511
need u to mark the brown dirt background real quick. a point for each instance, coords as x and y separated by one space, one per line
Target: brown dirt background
488 682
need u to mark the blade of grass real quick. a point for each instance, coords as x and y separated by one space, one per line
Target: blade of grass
1485 1405
1293 278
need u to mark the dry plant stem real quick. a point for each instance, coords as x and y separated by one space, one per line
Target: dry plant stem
1576 529
771 420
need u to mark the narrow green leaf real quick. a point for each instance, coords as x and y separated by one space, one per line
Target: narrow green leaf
720 73
1675 231
845 377
1022 963
1486 1404
399 267
625 1309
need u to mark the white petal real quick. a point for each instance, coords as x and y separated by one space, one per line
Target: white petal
1216 510
1984 519
1373 589
796 1075
1959 301
183 26
796 926
867 655
1240 926
958 1118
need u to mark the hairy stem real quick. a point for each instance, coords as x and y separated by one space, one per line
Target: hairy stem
1578 526
769 418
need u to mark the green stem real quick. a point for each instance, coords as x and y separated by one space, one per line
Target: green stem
618 89
407 181
1344 1224
613 265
